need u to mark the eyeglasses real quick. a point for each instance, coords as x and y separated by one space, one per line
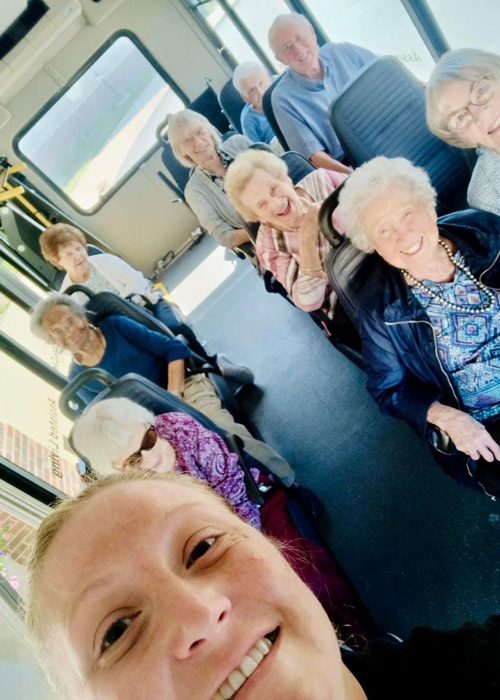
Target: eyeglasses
148 442
481 93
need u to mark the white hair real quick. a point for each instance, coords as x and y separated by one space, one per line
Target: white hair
467 65
184 123
45 305
105 427
293 18
372 180
244 70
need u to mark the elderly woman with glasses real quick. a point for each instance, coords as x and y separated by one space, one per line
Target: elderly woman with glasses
463 109
429 314
117 433
197 144
149 586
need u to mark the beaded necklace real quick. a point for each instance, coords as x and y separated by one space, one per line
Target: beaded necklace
449 304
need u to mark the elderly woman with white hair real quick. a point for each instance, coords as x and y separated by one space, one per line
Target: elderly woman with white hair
197 144
463 109
429 313
289 242
252 80
117 434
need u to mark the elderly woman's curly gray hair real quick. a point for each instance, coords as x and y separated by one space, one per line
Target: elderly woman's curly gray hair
185 123
372 180
467 65
45 305
105 428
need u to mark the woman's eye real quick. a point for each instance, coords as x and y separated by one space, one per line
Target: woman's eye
115 631
407 214
200 549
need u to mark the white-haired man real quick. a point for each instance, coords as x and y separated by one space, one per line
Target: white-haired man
252 79
314 78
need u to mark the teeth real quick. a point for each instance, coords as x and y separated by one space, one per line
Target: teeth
413 249
264 646
256 655
496 124
247 666
236 679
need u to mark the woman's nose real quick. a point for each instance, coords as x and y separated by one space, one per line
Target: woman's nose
201 614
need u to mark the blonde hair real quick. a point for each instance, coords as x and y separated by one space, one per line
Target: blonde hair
241 171
184 123
56 236
371 181
467 65
36 623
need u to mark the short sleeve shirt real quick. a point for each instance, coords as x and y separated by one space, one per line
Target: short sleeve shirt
300 104
484 186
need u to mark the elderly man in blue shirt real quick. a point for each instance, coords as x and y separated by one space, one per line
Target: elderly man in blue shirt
314 78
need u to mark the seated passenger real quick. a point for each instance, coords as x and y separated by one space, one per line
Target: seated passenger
314 77
65 247
289 242
195 142
252 79
118 433
429 314
463 109
148 586
120 345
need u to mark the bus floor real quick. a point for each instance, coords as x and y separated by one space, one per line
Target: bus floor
418 548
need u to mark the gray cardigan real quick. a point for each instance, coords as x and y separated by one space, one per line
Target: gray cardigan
210 204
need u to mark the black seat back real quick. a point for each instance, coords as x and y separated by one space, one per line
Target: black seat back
267 106
178 171
347 267
298 166
208 104
382 112
232 105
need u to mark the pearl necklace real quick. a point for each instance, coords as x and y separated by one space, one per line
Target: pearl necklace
289 229
449 304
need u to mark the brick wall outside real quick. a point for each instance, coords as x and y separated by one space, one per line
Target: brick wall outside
39 460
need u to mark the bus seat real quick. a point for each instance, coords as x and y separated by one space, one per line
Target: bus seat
208 104
178 171
382 112
232 104
106 304
298 166
269 112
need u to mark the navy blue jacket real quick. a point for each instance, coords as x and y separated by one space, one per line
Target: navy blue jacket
405 374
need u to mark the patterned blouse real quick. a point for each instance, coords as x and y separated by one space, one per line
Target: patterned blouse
278 251
468 344
203 454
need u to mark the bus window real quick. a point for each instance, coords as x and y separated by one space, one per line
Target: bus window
89 139
469 24
383 26
256 15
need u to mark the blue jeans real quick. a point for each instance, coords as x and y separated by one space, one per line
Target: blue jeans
166 314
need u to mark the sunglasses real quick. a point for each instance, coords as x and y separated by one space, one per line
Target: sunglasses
148 442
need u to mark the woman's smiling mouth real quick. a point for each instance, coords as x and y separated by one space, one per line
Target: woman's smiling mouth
250 662
414 248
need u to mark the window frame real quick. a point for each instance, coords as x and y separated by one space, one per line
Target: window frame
60 93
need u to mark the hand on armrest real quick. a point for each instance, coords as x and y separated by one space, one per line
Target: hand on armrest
467 434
